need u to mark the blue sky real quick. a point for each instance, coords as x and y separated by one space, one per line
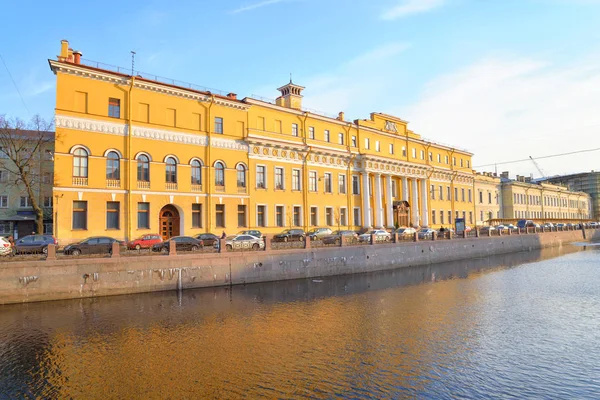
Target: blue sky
504 79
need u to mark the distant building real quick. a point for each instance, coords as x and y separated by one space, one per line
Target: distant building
588 182
488 198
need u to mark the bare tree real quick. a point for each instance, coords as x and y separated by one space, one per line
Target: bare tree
22 148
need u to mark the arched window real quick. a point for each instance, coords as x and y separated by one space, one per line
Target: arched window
171 171
113 170
241 176
143 168
196 172
219 174
80 163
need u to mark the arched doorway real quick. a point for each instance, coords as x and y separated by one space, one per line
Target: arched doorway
169 222
401 209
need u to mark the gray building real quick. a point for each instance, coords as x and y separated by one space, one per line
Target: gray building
588 182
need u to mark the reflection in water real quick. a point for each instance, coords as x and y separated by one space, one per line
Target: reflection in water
464 329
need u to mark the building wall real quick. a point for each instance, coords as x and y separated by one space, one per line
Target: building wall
488 199
588 182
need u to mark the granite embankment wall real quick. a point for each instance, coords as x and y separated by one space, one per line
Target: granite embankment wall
68 278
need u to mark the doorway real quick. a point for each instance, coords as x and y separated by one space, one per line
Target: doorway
169 222
401 210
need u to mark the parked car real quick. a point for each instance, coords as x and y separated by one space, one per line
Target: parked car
208 239
501 227
525 223
337 236
425 233
380 235
182 243
487 228
290 235
91 245
251 232
247 242
5 247
406 231
511 227
548 225
144 242
318 233
561 225
33 244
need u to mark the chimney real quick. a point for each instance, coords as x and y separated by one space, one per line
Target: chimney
77 56
64 50
504 174
340 116
232 96
70 55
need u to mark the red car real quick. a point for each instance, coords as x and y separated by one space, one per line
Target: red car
144 242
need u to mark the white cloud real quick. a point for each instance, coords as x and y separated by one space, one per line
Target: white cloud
408 7
256 5
510 108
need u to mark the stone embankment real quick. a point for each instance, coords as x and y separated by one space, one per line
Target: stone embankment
70 278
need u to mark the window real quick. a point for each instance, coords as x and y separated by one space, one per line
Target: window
342 184
377 146
356 217
432 192
314 220
219 174
48 201
403 151
294 129
311 132
340 138
355 184
439 158
196 172
80 215
422 154
296 179
481 216
481 197
391 148
470 196
449 217
171 170
343 217
196 215
454 161
218 125
220 215
112 215
329 216
297 221
260 177
326 136
442 217
430 156
143 168
456 215
353 141
3 175
279 178
114 108
489 198
312 181
279 216
446 159
461 162
441 192
394 190
260 215
80 163
24 202
462 195
112 166
242 215
433 221
143 215
468 164
470 217
414 153
455 194
367 144
241 176
448 193
327 179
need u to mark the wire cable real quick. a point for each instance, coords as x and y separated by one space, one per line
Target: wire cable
538 158
15 83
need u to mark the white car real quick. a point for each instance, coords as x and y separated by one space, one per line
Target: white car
380 235
244 242
5 247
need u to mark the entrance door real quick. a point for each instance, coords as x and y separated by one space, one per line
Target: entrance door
401 209
169 222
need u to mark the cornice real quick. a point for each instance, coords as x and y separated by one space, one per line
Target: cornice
90 125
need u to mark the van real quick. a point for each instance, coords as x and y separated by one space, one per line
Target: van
525 223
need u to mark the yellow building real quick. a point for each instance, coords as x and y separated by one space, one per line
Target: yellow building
139 155
488 198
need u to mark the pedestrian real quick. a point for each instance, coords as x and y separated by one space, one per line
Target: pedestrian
224 235
442 229
11 240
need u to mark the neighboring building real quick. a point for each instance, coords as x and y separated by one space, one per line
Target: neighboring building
588 182
138 155
17 217
488 198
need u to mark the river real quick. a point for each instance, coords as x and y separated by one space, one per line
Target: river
523 325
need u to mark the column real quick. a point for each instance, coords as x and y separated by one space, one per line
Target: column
404 188
366 204
414 205
389 209
424 208
378 201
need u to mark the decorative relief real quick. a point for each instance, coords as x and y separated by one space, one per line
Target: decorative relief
284 153
266 152
256 150
82 124
275 152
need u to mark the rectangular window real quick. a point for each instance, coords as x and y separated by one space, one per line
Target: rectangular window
242 216
220 215
311 132
450 217
327 181
448 193
481 197
403 151
377 146
80 215
394 189
468 164
470 217
414 153
326 136
279 216
296 179
470 196
462 195
455 194
454 161
355 184
261 215
446 159
312 181
489 198
314 214
279 178
329 216
114 108
261 177
461 162
456 215
3 201
422 154
3 174
197 215
367 144
441 192
481 216
112 215
24 202
48 201
442 217
439 158
391 148
297 221
430 156
218 125
343 217
342 184
340 138
294 129
353 141
433 221
143 211
357 217
432 192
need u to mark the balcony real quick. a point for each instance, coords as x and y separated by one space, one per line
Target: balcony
80 181
143 185
196 188
113 183
220 188
171 185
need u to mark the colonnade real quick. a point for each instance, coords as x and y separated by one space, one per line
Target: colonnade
374 217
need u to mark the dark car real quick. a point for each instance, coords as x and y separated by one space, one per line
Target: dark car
290 235
91 245
337 236
33 244
182 243
208 239
525 223
251 232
